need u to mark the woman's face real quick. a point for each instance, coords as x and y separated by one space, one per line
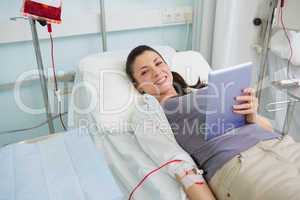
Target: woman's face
152 74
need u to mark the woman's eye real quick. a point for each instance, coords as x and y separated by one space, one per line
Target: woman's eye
143 73
159 63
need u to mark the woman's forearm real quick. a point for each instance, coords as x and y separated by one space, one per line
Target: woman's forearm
199 192
264 123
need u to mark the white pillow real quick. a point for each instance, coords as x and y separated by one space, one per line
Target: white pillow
191 65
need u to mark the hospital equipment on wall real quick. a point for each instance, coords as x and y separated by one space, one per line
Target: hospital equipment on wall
279 41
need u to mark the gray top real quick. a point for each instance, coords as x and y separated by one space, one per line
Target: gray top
186 115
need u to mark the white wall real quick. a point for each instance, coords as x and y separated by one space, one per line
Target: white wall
235 33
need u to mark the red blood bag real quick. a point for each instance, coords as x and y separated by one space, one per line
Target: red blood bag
48 10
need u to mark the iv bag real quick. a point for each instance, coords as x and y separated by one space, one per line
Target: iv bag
48 10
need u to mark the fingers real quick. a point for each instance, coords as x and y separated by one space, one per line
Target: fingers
244 112
242 106
249 91
243 98
244 109
248 103
249 95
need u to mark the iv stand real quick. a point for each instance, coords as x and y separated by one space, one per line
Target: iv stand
103 25
263 64
43 79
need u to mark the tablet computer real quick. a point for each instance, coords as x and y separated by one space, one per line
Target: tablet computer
223 86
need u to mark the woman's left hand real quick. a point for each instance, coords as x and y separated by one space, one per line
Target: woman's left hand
247 106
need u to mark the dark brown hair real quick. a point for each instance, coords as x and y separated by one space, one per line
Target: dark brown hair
179 83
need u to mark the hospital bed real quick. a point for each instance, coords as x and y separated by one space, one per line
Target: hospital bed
104 100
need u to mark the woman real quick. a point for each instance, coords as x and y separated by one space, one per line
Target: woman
253 164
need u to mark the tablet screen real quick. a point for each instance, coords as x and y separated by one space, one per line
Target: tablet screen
223 86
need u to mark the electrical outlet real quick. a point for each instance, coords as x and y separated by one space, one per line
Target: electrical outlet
188 16
167 16
177 15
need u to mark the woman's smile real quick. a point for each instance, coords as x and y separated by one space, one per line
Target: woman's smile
161 80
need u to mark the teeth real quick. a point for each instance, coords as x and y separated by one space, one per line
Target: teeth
161 80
